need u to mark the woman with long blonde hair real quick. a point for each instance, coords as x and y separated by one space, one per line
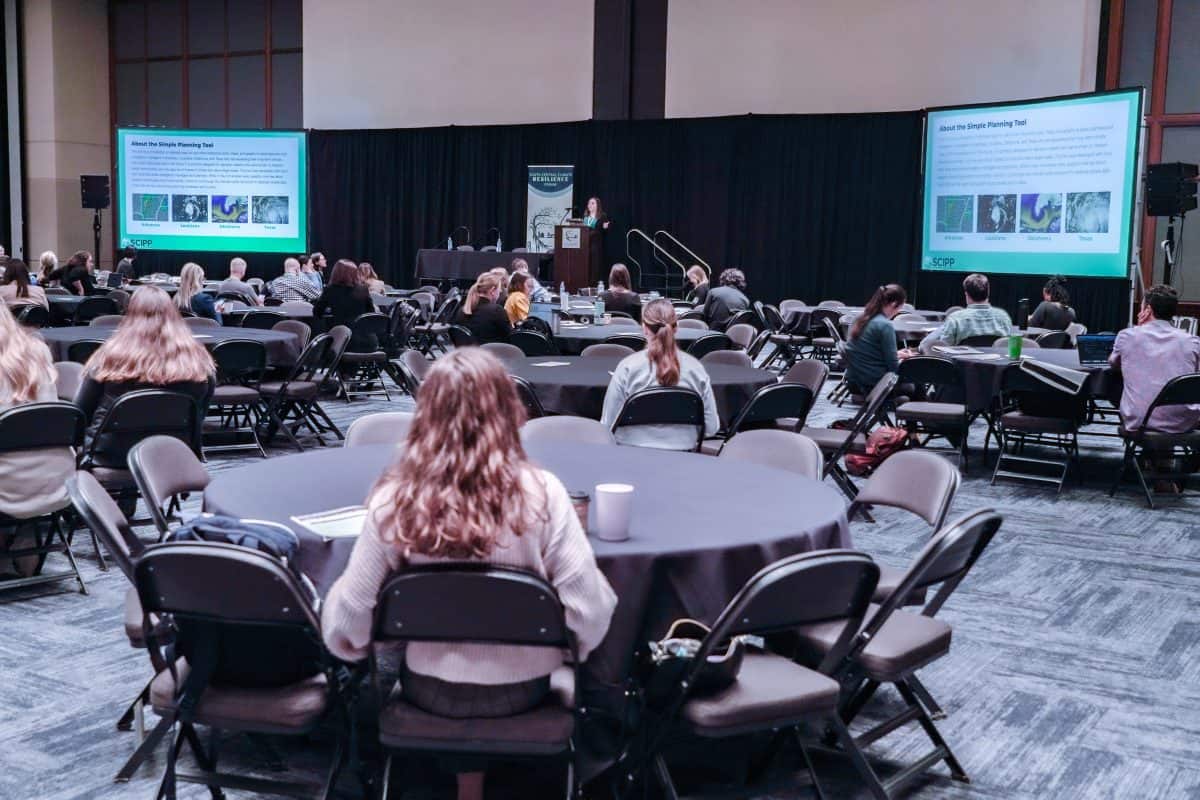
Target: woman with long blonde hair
191 295
151 349
462 489
659 364
482 314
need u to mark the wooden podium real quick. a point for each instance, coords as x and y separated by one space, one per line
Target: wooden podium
578 255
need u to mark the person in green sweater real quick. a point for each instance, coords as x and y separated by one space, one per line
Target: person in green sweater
871 347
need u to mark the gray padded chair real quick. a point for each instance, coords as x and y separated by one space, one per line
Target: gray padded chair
297 328
807 372
697 324
107 320
201 322
413 366
733 358
607 350
566 429
165 469
389 427
779 449
504 351
626 321
742 335
935 418
835 443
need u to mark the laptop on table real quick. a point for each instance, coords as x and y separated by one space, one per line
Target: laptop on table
1094 349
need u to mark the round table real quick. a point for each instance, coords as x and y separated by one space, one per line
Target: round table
701 526
573 338
982 374
282 347
576 385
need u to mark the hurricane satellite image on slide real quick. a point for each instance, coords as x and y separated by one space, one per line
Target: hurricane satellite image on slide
955 213
1041 213
230 208
271 210
997 213
150 208
1087 212
189 207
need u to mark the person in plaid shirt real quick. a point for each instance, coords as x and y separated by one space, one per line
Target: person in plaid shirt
979 318
292 286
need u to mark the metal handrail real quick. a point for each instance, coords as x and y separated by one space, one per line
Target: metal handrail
657 249
699 261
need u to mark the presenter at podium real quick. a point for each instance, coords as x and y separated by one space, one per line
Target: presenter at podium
595 216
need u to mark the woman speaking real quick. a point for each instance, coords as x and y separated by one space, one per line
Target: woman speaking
595 216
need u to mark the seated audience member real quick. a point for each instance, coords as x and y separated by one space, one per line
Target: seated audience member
537 293
17 289
620 296
517 304
481 314
1053 312
291 286
49 265
501 275
76 276
871 346
659 364
129 259
1149 355
699 280
191 295
345 299
32 482
366 274
236 284
313 269
124 270
152 348
447 498
979 318
726 300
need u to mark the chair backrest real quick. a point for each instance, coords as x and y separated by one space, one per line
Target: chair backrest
535 325
69 376
788 306
461 336
733 358
296 308
566 429
808 372
778 449
528 398
870 411
772 316
741 334
1181 390
831 304
102 516
201 322
504 351
663 405
163 467
449 308
953 310
709 343
339 340
371 324
607 350
33 316
533 343
919 482
1076 329
316 356
388 427
634 341
240 361
983 340
295 327
91 307
773 402
107 319
834 332
465 247
262 320
139 415
909 317
32 426
81 351
56 290
621 318
746 316
821 317
697 324
120 297
1058 340
930 371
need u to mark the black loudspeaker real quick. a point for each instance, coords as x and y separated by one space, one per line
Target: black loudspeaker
94 189
1170 189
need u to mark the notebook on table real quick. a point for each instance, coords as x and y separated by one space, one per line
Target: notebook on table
1094 349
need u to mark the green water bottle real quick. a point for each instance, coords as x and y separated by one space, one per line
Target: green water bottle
1014 344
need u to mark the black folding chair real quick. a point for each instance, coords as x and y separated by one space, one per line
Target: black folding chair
294 399
532 343
236 400
830 589
262 320
493 605
769 404
1058 340
537 325
1151 445
663 405
91 307
32 427
461 336
411 367
788 344
634 341
824 342
985 340
81 351
166 471
365 357
33 316
254 661
709 343
432 335
937 378
836 443
746 316
528 398
1032 412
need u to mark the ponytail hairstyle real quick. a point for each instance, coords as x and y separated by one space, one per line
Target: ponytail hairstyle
659 321
884 296
483 286
1056 287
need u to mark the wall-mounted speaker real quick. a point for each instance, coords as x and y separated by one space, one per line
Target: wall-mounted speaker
94 190
1170 189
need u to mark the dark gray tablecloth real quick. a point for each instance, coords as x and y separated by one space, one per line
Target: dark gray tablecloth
578 388
688 553
282 348
573 340
981 377
470 264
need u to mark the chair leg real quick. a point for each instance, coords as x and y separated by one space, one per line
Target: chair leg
664 778
56 529
935 736
931 705
385 784
812 772
127 719
144 750
850 747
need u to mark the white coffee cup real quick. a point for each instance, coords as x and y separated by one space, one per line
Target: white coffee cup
614 510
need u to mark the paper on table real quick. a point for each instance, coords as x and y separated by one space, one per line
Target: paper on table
989 357
337 523
201 336
959 350
551 364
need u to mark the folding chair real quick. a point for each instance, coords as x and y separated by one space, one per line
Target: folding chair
507 353
824 341
79 352
663 405
836 443
788 344
935 376
729 358
1033 412
461 336
236 400
264 621
364 375
894 644
493 605
33 427
709 343
1143 442
634 341
166 471
411 367
984 340
431 335
295 398
108 320
194 323
607 350
827 588
778 449
33 316
69 376
746 316
91 307
742 335
565 429
528 397
1056 340
533 343
389 427
263 320
768 405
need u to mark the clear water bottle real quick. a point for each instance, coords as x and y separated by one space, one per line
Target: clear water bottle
599 288
449 242
598 311
564 301
499 244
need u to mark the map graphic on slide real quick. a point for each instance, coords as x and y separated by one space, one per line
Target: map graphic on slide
189 207
1041 213
150 208
1087 212
270 210
230 208
955 213
997 213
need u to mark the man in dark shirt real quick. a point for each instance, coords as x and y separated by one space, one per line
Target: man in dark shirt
726 300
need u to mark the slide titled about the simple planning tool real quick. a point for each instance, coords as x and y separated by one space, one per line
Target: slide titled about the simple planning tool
1040 187
212 190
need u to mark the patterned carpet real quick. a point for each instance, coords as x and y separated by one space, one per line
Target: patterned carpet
1073 673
